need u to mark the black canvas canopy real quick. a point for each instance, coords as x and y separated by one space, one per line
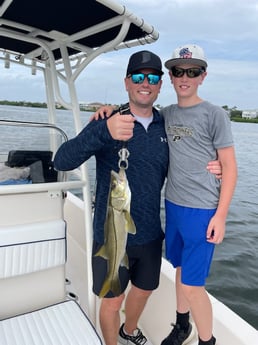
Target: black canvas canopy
59 38
81 25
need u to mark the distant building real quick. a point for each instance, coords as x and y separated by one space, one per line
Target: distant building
249 114
83 105
90 106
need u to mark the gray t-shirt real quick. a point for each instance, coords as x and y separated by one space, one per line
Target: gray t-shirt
194 135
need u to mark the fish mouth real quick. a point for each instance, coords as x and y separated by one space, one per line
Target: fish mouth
120 176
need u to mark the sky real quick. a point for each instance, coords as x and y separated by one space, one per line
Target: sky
227 30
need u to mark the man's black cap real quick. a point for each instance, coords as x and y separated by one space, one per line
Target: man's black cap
144 59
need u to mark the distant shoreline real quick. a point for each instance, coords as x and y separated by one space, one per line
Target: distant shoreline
40 105
240 119
44 105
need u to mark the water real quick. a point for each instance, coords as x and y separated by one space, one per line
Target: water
234 273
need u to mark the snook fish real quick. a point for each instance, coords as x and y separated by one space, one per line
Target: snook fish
117 226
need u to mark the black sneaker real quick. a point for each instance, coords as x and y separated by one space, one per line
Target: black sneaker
136 339
213 340
178 336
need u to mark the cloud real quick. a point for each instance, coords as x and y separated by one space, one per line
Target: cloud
227 30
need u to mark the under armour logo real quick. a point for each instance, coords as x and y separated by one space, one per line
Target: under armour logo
163 139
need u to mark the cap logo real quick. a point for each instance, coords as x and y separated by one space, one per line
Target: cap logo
184 53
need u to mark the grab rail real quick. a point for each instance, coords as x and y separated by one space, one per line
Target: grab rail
33 124
41 187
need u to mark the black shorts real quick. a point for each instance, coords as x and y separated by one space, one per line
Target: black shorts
144 267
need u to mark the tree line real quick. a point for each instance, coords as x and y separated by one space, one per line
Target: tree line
234 113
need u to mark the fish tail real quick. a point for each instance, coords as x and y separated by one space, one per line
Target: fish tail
111 285
105 288
116 287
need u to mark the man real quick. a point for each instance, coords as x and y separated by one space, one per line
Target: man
144 133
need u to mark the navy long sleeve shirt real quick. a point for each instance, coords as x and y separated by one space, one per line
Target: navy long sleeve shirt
146 173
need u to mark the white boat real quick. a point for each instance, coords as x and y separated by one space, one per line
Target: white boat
45 229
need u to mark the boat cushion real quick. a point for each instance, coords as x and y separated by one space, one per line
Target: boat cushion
33 247
23 158
60 324
39 162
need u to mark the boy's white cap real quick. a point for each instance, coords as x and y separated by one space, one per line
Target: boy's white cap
187 54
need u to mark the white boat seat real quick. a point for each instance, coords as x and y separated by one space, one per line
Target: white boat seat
32 256
29 248
60 324
34 309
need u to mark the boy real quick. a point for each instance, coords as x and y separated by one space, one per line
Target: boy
196 202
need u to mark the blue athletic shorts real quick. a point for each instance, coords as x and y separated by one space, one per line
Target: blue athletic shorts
186 244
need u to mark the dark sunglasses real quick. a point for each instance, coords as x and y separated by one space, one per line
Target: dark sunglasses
138 78
192 72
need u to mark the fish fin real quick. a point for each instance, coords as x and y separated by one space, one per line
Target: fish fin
102 252
130 226
125 261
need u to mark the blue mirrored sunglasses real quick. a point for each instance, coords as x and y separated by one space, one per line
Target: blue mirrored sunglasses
138 78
